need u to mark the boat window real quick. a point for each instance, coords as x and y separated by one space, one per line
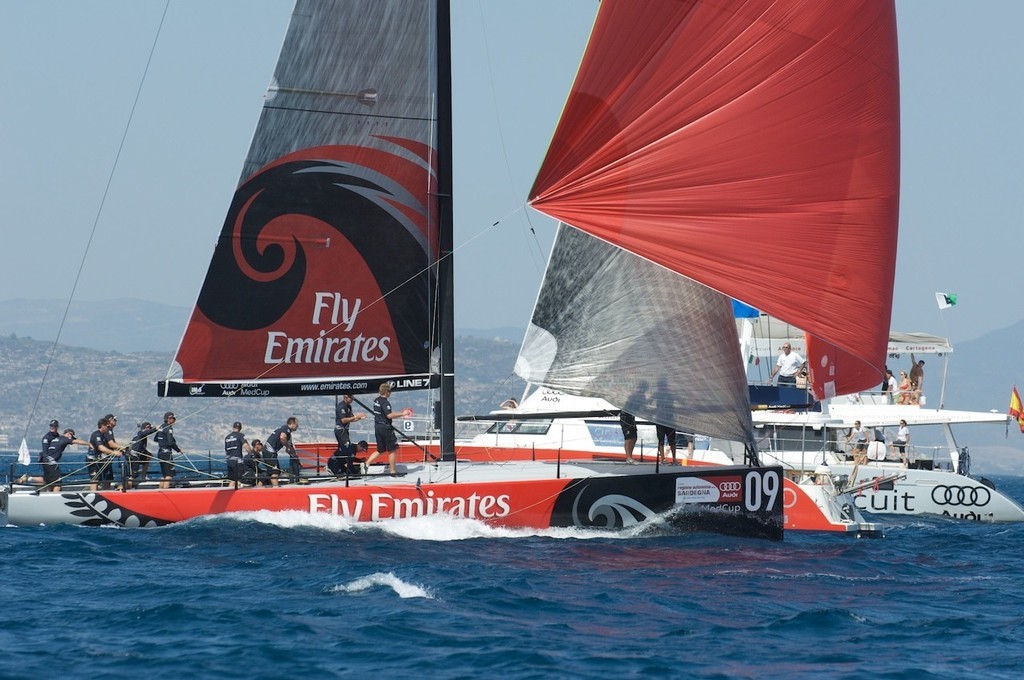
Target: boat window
605 433
795 438
520 427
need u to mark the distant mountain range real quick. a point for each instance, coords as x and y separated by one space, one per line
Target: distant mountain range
96 370
138 325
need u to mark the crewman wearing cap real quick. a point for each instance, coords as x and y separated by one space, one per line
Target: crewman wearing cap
138 454
166 444
235 449
50 459
110 442
50 435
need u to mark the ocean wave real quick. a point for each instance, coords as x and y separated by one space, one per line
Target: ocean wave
403 589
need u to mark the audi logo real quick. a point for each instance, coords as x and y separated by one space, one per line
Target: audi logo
730 486
966 496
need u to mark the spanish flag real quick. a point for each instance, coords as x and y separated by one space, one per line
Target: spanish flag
1016 409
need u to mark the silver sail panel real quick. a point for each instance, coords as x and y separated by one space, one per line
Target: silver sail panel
350 71
610 324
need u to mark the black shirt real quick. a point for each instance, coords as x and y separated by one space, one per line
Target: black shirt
233 445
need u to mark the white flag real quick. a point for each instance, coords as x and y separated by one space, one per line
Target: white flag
24 457
945 300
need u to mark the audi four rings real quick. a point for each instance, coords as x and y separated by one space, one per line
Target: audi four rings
965 496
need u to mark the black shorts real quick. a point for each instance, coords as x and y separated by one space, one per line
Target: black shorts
131 463
386 440
270 466
342 435
100 470
166 464
628 424
51 473
234 469
665 434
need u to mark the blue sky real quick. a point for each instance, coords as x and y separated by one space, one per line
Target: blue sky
71 71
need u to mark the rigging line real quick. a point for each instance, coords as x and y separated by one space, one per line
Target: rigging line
370 304
96 220
536 257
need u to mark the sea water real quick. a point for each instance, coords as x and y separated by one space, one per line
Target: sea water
290 595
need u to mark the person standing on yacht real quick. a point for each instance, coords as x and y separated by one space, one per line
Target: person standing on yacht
627 419
235 448
99 458
138 455
904 389
859 437
902 441
51 458
918 373
343 417
890 385
383 430
281 440
167 446
787 366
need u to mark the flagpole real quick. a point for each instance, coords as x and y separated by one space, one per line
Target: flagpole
945 301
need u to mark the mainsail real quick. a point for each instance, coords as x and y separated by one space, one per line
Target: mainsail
751 146
324 275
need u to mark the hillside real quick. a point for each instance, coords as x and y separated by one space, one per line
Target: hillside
84 384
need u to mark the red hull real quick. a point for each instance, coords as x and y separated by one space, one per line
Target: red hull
738 501
801 513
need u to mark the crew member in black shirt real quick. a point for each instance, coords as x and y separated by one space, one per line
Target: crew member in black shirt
235 446
343 417
50 459
138 454
167 445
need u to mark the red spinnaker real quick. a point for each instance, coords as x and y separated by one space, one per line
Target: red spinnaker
752 146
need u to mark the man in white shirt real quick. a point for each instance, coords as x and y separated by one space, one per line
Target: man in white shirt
890 385
788 365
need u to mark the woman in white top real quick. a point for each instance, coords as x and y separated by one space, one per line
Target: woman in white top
902 440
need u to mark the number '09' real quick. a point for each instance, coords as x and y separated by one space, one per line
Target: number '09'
758 487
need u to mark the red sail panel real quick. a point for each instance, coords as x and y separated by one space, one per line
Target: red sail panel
324 266
750 145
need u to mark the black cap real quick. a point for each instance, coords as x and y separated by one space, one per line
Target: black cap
237 424
68 430
257 442
54 423
169 414
145 425
110 416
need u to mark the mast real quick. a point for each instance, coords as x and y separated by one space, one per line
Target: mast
445 268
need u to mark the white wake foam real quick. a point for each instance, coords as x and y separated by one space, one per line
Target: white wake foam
438 528
402 588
